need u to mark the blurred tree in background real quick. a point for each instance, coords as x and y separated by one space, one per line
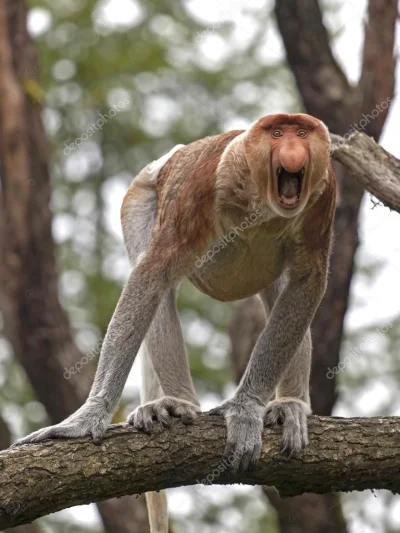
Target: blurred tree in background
117 83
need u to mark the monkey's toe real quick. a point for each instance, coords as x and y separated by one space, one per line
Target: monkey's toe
292 417
243 447
162 411
244 420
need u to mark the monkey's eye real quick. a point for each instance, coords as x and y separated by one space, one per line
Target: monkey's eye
277 133
302 133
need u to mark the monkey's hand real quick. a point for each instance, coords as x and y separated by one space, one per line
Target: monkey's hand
244 419
90 419
162 411
290 414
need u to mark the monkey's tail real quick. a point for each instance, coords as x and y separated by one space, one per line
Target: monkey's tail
156 501
158 511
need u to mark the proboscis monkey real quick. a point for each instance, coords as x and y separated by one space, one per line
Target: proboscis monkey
276 176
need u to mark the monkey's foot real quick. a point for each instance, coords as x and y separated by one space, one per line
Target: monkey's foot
162 411
244 421
92 419
290 414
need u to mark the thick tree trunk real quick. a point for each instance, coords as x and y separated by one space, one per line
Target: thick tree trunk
35 323
343 455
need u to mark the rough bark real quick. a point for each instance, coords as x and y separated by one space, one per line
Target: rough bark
375 169
34 321
5 441
344 454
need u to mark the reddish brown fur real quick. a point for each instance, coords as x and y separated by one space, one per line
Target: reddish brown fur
206 188
185 193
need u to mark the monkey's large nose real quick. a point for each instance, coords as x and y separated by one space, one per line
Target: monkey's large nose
292 158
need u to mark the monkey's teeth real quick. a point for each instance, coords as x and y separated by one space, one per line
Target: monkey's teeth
289 201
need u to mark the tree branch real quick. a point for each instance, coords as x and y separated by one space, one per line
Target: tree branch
343 455
376 170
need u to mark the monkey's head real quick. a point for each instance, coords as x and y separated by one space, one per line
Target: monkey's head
288 156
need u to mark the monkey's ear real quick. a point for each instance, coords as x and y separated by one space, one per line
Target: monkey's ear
325 127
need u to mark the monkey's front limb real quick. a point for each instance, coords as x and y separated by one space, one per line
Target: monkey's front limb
132 317
167 389
272 355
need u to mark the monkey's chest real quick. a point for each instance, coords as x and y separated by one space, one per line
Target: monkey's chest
233 269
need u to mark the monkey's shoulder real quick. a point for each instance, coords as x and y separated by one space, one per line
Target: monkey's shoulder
196 161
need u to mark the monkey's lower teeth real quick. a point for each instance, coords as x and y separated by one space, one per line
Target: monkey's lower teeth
289 201
289 187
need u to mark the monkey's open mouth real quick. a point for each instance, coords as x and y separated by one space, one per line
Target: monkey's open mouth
289 186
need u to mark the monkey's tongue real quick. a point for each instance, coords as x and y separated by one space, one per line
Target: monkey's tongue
289 188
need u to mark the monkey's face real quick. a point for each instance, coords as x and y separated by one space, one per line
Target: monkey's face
290 157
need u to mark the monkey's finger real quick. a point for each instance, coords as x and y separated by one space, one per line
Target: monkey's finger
254 456
32 438
244 462
273 418
294 434
97 435
232 456
163 417
249 453
51 432
187 416
286 449
304 430
143 419
217 411
291 442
